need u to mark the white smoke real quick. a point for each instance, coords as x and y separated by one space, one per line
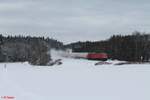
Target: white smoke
57 54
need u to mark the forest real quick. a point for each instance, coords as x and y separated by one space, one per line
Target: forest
134 47
35 50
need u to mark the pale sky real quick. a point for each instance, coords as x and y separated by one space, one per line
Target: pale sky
74 20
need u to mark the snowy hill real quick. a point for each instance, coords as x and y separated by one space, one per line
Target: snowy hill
75 79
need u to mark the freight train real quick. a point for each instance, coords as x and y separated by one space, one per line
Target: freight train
90 56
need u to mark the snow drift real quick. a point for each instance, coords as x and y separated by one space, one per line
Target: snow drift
75 80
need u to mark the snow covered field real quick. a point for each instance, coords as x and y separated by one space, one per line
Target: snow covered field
75 79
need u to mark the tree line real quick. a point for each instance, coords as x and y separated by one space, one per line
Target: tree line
135 47
35 50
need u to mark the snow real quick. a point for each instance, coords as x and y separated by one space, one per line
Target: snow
75 79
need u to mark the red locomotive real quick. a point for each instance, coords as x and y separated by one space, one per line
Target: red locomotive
97 56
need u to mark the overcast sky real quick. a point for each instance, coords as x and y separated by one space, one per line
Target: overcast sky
74 20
